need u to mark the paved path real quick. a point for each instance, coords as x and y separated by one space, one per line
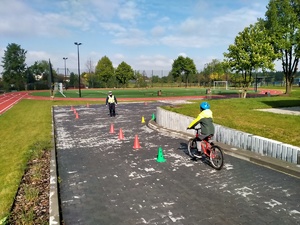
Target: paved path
105 181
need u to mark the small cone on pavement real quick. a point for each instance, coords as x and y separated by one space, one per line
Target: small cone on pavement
136 142
87 105
153 116
143 119
160 156
112 130
72 108
121 135
76 116
74 111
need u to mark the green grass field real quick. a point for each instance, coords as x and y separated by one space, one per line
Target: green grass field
242 114
26 128
137 93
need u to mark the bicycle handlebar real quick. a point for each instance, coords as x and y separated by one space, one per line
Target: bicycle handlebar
193 128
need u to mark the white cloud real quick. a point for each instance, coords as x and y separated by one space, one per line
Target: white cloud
30 21
131 41
37 55
105 9
114 28
128 11
119 56
158 30
15 19
189 41
182 54
133 37
163 20
123 29
155 62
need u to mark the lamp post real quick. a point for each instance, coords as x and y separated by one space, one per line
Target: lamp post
65 59
79 88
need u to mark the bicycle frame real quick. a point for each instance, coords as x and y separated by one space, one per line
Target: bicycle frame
205 144
202 145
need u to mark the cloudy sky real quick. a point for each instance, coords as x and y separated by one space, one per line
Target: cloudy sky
146 34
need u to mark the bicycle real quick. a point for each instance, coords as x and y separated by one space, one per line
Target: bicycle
197 148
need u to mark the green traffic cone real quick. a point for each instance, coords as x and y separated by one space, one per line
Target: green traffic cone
160 156
153 116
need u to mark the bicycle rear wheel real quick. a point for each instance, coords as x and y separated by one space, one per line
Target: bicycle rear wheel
216 157
192 148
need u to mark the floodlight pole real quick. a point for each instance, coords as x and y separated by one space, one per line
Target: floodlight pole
79 88
65 59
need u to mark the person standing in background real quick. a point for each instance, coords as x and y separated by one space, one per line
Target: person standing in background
112 102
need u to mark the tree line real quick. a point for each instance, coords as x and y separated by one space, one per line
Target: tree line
104 75
253 53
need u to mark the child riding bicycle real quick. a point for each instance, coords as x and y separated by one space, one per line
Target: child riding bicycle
205 118
201 145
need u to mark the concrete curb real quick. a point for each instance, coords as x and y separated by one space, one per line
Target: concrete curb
233 137
266 161
54 216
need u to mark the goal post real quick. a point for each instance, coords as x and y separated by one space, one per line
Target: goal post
58 87
221 84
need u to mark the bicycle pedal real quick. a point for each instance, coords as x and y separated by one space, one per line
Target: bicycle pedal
198 156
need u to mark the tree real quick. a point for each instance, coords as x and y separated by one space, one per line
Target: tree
155 79
140 80
14 67
73 79
215 70
85 79
251 51
124 73
1 85
39 68
182 68
105 71
30 79
90 76
282 23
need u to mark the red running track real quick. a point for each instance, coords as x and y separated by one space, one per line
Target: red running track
8 100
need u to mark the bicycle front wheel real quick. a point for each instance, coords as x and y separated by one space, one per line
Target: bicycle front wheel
216 157
192 147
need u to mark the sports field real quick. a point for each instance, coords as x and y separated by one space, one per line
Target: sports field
139 92
26 127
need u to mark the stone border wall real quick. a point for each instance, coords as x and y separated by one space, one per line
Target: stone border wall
235 138
54 216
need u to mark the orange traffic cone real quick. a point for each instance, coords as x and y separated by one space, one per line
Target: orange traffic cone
74 111
136 142
72 108
77 116
112 130
121 135
87 105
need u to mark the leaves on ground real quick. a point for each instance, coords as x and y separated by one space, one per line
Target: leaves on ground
31 204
